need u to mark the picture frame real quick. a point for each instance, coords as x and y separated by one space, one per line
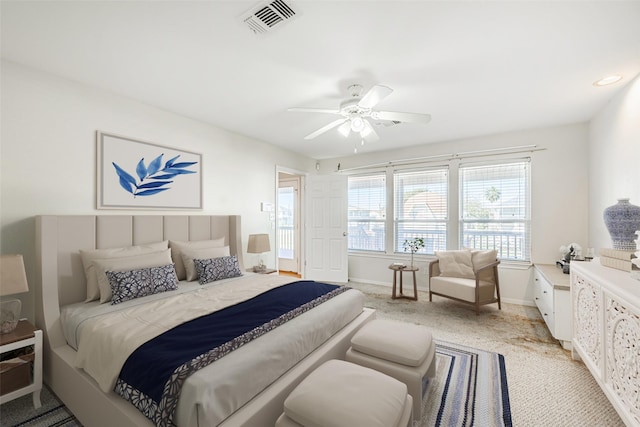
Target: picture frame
134 174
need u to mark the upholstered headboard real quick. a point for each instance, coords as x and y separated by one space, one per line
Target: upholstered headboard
60 275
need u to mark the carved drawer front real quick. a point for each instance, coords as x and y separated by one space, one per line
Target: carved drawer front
623 355
586 318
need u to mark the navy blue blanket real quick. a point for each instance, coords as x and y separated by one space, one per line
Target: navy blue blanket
152 376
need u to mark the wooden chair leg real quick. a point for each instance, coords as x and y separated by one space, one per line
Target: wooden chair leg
495 273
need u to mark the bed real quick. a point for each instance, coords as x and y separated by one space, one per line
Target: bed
225 392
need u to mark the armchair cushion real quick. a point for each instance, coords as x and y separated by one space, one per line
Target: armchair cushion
464 289
481 258
456 264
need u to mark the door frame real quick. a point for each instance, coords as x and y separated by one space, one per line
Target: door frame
301 193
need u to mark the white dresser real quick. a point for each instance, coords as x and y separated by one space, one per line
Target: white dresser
606 333
553 298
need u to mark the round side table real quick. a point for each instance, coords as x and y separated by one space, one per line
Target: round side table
399 270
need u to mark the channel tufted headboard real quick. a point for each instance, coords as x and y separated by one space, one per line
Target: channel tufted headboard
60 277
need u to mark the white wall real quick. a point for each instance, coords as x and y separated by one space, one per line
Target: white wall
48 157
559 194
614 153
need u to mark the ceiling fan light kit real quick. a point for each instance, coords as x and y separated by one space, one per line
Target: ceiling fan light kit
356 110
357 124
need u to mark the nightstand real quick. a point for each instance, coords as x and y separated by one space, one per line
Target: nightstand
265 271
22 374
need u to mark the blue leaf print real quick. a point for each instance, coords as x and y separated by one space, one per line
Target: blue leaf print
150 192
170 162
152 179
124 175
154 184
126 185
141 169
179 171
164 176
182 165
155 164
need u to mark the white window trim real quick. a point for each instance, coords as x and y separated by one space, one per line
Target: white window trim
454 223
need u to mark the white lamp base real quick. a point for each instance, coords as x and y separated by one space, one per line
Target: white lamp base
9 315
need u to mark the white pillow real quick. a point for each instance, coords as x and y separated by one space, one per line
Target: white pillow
93 292
456 264
177 247
156 259
481 258
188 255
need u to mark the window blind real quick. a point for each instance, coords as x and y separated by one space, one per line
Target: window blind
421 208
495 208
367 196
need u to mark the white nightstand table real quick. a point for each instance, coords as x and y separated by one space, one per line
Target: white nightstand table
24 335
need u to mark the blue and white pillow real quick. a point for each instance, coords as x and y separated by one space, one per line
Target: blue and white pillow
213 269
131 284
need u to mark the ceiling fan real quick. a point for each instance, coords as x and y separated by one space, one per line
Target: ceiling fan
357 110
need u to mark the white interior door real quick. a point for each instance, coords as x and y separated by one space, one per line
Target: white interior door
289 224
326 228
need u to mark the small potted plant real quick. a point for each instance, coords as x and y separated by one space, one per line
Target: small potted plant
413 245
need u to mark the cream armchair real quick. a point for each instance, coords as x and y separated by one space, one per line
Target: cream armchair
467 276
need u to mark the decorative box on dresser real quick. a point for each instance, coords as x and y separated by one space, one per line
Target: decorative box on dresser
552 296
606 333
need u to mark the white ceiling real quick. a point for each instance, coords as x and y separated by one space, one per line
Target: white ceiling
477 67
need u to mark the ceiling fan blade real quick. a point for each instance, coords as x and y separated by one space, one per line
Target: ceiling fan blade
325 128
401 117
368 134
313 110
375 95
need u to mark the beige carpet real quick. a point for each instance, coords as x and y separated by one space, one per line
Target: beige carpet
546 387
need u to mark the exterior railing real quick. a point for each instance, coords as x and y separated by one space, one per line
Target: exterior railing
285 241
509 244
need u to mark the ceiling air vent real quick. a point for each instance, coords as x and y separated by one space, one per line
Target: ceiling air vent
265 17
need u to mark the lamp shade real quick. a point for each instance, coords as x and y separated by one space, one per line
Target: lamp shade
13 279
258 243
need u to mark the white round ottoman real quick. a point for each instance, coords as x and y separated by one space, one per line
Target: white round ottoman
403 351
342 394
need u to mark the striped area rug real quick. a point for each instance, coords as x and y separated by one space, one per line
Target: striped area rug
470 389
52 413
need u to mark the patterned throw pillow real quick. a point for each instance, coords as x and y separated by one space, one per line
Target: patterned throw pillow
131 284
213 269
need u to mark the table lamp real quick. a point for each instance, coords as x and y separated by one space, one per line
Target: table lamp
258 244
13 280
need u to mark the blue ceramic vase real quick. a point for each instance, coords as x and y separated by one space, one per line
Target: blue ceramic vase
622 221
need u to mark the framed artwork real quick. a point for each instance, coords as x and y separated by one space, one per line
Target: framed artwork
134 174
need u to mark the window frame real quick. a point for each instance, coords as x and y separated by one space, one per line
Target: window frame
454 222
524 220
361 221
431 245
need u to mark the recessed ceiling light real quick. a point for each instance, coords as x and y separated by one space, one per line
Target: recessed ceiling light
614 78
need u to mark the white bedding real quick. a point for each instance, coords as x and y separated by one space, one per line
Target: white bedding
215 392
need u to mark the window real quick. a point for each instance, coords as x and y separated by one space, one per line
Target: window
495 209
367 196
420 208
